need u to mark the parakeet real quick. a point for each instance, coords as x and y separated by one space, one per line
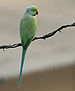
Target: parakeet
28 27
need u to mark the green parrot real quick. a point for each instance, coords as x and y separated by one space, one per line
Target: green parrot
28 27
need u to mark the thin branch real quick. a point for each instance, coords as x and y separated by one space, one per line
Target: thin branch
37 38
54 32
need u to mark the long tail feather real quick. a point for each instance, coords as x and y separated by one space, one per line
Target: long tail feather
22 61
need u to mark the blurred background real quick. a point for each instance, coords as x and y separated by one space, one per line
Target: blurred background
49 64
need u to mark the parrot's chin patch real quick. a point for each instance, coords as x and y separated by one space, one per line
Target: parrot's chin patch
34 15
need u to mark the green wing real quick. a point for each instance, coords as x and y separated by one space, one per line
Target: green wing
28 27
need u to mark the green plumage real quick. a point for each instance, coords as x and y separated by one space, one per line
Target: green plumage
28 27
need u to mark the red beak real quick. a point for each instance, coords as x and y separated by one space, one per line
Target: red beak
37 12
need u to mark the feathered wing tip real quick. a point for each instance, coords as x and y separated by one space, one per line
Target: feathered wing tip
22 62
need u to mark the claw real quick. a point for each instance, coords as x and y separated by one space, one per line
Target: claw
60 31
3 49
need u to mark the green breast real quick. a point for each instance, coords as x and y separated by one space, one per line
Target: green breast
28 27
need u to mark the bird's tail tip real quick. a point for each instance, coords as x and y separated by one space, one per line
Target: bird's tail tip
19 81
18 85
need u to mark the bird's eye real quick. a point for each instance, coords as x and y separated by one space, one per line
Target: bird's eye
33 9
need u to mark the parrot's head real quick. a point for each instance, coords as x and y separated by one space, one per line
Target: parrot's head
32 10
